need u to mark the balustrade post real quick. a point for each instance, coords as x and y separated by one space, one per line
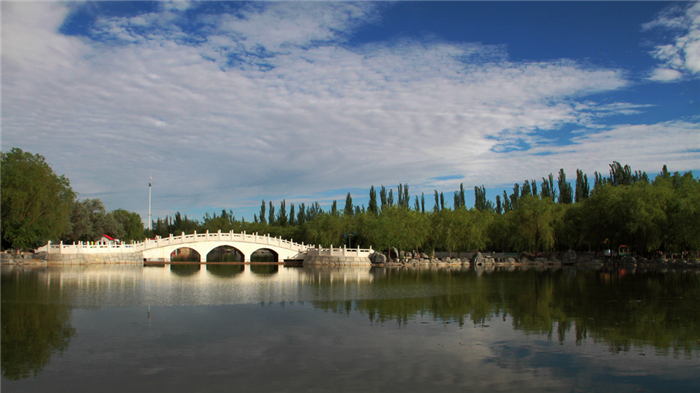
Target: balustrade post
218 235
358 251
182 238
60 248
331 250
345 250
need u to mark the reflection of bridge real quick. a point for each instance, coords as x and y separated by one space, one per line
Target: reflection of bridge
162 248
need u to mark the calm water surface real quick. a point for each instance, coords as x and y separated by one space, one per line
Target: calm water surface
223 328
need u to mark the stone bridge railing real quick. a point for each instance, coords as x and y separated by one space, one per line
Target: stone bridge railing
339 252
148 244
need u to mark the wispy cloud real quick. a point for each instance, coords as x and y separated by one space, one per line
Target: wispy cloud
682 55
270 101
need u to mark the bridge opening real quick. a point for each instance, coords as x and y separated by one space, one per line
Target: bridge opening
225 271
225 254
185 254
185 269
264 255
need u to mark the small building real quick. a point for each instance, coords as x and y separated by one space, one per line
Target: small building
106 239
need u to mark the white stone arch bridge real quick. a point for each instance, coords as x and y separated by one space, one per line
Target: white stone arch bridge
161 248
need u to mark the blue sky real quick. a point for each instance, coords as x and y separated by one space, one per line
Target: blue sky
228 103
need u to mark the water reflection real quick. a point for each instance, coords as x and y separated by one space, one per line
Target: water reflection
225 270
34 325
265 270
616 311
185 269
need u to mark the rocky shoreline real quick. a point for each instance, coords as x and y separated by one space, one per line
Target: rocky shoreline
569 258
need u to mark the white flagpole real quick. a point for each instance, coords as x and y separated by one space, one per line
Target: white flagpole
149 202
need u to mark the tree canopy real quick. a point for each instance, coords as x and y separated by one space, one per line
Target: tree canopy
36 202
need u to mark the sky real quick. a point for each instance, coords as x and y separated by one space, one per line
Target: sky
225 104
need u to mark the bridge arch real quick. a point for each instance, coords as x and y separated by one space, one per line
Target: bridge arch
185 254
264 255
225 253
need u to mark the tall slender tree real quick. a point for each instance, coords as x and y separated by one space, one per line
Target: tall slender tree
565 192
373 208
263 207
349 209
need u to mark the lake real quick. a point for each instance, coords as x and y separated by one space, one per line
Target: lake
269 328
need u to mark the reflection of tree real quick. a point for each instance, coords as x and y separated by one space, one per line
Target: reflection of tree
264 269
33 326
225 270
611 307
185 269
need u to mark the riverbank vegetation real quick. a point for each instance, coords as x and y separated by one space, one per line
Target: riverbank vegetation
621 208
624 208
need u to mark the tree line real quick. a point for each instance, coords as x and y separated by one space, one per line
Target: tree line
619 208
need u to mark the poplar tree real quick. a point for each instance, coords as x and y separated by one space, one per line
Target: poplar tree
301 216
373 201
349 210
271 213
582 189
382 197
263 207
282 219
565 192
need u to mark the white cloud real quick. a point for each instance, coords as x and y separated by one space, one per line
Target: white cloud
683 54
665 75
324 117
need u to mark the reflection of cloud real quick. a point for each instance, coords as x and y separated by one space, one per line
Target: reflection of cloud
270 97
683 54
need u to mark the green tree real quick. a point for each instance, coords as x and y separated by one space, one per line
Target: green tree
36 203
349 210
533 224
582 188
263 207
373 208
565 192
90 221
130 223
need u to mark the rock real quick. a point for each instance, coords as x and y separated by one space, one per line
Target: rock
424 256
629 260
478 259
377 257
569 257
